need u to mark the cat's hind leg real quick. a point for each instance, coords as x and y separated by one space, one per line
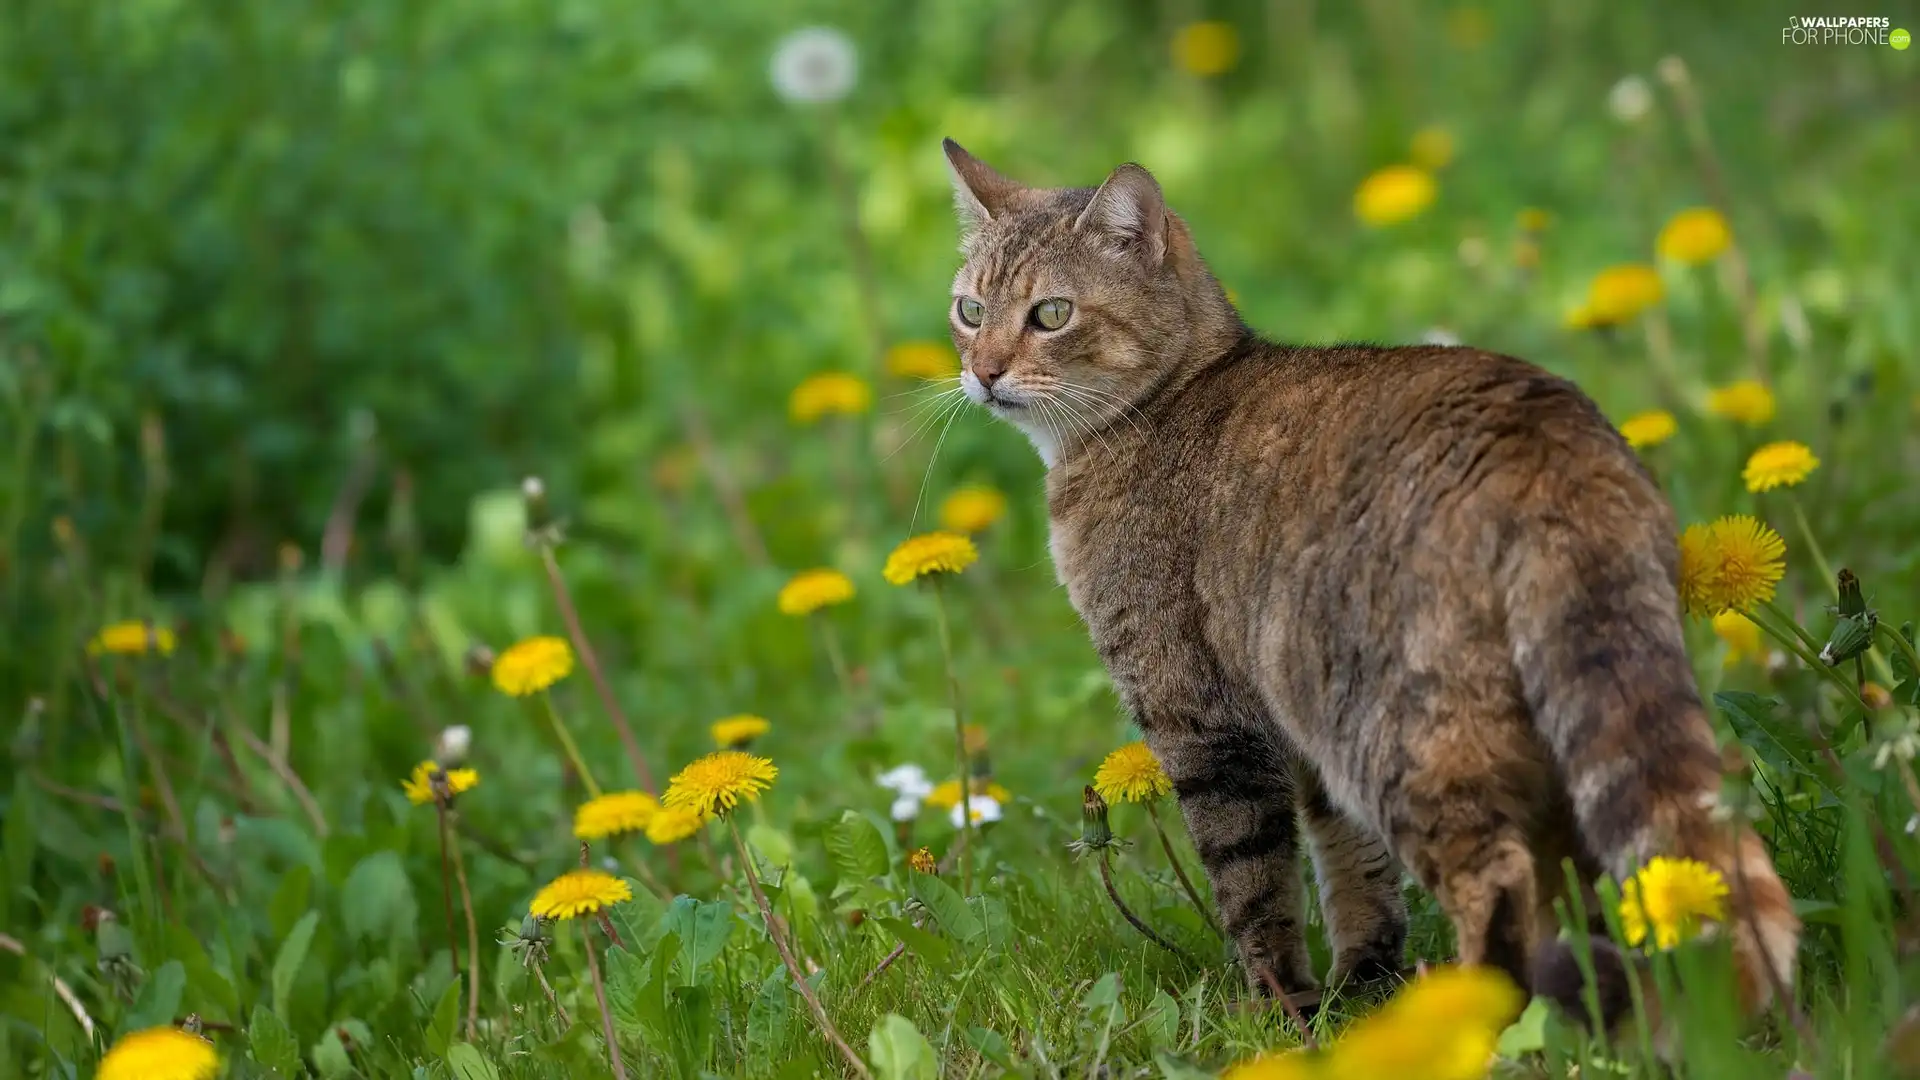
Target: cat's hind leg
1360 896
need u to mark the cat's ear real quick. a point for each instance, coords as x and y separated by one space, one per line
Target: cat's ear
1129 213
979 193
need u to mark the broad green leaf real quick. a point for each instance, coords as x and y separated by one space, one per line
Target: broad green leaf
929 947
947 908
702 928
767 1016
208 990
772 845
159 1000
1162 1021
1527 1035
468 1063
272 1044
287 963
1176 1068
988 1044
446 1014
376 903
899 1052
858 850
1104 993
330 1056
1780 741
289 901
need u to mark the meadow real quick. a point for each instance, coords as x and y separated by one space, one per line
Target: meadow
496 581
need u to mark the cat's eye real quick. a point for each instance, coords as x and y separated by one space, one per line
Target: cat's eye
1052 314
971 310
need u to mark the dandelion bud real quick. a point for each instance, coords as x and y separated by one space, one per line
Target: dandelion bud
452 746
1672 71
1095 833
922 861
1851 601
1876 697
1851 636
1630 99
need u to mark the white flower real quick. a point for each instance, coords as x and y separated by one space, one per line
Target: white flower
452 746
1439 335
814 65
908 781
1900 745
985 808
1630 99
906 808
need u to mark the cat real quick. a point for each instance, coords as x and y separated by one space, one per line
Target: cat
1420 600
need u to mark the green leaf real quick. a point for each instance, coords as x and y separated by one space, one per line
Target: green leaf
1902 667
702 928
159 1000
1176 1068
376 903
1162 1021
271 1043
771 844
767 1016
947 908
691 1014
287 963
212 993
988 1044
935 951
468 1063
858 850
330 1056
290 900
1527 1035
446 1014
1780 741
900 1052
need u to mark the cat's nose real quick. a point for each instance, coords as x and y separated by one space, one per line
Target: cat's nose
988 369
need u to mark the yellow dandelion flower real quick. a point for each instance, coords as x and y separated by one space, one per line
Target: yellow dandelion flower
1730 565
615 814
674 824
1619 293
1752 560
1443 1026
811 590
946 794
972 509
132 638
531 666
922 861
929 553
419 786
1741 635
1580 317
160 1053
1432 148
1748 402
1669 899
923 360
1649 429
1533 219
828 393
1131 774
1393 195
734 732
1206 49
579 892
715 784
1694 236
1779 464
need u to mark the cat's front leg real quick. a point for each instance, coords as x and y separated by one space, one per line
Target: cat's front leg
1235 780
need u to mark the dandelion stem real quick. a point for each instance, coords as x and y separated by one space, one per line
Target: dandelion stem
446 889
1193 894
1106 878
1807 655
1900 643
567 745
1813 546
591 660
830 640
606 1015
539 972
452 841
776 931
898 951
959 738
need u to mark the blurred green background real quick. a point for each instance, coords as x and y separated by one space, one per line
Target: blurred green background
483 238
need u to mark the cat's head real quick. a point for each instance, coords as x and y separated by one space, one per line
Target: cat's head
1074 303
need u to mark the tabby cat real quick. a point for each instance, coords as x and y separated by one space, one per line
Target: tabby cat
1420 600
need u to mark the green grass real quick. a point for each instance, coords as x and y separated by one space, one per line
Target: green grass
723 277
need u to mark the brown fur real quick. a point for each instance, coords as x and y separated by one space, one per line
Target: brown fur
1425 594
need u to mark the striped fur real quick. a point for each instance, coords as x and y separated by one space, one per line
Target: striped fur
1424 596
